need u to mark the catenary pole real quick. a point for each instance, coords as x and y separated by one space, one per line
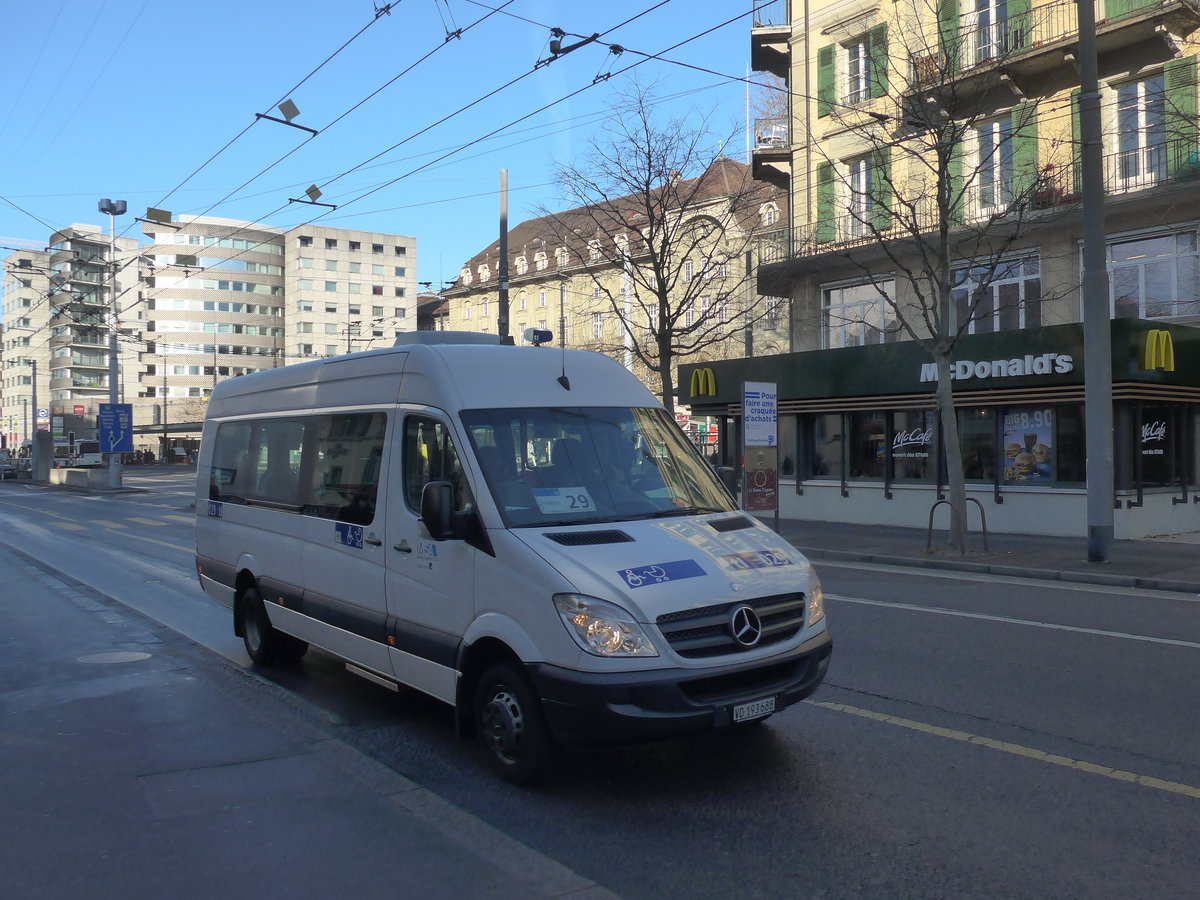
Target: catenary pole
1097 339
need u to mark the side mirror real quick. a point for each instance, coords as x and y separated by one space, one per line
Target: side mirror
437 510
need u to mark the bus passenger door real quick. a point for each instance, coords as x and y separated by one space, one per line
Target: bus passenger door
430 584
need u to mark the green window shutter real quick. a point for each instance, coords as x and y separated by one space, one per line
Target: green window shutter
949 39
1025 152
879 60
826 227
1179 80
881 189
954 182
826 78
1017 26
1076 147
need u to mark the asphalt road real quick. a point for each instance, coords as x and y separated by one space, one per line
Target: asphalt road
976 736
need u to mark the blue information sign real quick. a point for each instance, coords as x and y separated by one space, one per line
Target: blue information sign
116 428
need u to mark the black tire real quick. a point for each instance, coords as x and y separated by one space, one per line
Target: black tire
512 726
264 645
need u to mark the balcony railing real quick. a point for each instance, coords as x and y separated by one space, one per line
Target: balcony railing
988 41
771 133
771 14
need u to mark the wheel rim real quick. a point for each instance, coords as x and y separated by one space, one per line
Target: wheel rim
250 628
504 725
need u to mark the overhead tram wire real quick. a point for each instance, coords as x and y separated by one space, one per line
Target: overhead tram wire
375 18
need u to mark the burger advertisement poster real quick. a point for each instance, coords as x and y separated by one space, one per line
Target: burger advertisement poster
1026 456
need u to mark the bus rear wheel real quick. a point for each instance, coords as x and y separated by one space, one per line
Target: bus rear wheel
264 645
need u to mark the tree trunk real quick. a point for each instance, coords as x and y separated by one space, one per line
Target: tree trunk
956 480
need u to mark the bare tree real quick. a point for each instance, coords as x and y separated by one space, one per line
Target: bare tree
946 179
661 224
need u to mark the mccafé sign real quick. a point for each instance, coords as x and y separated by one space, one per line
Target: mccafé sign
1043 364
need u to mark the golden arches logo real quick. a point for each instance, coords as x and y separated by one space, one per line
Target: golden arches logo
704 382
1159 351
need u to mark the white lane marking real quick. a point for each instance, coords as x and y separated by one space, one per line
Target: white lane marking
1009 620
1174 787
989 578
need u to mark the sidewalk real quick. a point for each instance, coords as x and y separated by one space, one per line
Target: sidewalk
137 764
1169 563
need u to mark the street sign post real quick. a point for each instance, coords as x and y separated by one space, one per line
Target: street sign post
760 452
116 428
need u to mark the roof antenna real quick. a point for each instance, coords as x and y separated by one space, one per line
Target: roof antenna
539 336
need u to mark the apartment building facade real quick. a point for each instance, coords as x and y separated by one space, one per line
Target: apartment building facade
583 283
954 127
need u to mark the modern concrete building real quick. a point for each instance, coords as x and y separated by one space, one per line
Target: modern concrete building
203 300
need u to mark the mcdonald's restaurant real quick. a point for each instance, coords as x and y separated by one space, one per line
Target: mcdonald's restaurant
859 432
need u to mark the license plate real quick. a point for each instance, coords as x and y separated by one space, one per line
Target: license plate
755 709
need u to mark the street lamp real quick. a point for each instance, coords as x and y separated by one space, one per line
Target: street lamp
113 208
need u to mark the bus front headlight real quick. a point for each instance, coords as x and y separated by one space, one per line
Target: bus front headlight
816 602
602 628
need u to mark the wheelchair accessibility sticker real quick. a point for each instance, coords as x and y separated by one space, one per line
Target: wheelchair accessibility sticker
661 573
350 535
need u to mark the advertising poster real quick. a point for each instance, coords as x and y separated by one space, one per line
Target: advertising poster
762 481
1026 451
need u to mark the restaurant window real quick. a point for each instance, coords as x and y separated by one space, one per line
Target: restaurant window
827 436
788 441
868 441
1070 444
1027 444
1007 297
977 437
1159 446
913 442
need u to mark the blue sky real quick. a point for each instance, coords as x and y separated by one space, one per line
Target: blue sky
147 101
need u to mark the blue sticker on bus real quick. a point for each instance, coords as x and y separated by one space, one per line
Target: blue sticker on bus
661 573
215 509
350 535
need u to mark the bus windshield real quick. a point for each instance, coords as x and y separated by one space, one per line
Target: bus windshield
576 465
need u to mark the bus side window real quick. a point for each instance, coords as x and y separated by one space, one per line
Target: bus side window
429 455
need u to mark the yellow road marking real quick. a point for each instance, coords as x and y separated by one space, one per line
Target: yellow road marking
1174 787
186 519
142 521
109 523
71 526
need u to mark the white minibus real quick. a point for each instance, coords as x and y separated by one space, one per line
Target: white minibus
521 532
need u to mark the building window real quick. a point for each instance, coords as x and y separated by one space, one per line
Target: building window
688 270
825 452
861 201
355 245
376 270
304 306
401 251
539 261
355 287
330 286
1142 131
467 309
377 290
911 451
541 298
858 70
305 349
855 314
593 250
305 241
561 256
522 266
867 445
377 312
1004 298
597 326
1155 277
355 268
769 214
485 307
377 248
304 327
994 165
331 265
355 309
399 271
522 303
331 328
306 262
400 292
400 312
330 243
305 284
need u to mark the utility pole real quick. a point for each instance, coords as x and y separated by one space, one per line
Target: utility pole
1097 326
113 208
33 443
502 318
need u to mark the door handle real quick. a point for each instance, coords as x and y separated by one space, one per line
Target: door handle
374 542
402 547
